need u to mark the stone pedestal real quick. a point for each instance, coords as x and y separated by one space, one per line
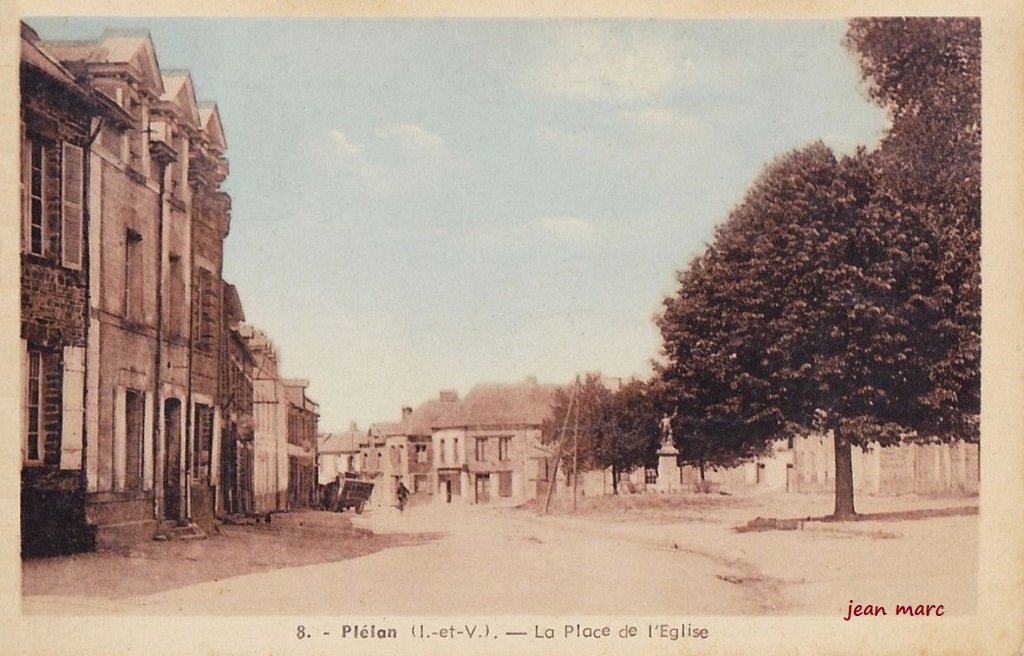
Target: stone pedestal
668 469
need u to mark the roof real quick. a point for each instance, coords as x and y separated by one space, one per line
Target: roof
347 442
429 414
388 429
132 48
209 120
494 404
179 90
32 54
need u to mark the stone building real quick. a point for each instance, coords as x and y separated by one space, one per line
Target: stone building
58 119
141 385
210 225
160 223
127 206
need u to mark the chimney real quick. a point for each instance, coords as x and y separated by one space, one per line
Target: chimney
530 380
406 411
448 396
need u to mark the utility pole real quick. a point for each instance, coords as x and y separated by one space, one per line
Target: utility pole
576 448
558 454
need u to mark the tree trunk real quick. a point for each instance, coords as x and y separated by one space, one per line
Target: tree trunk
615 478
701 471
844 476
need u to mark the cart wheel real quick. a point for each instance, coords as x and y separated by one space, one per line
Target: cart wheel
359 508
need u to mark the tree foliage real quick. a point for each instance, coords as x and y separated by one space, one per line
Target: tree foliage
843 294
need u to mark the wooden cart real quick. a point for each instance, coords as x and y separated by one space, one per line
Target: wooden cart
354 494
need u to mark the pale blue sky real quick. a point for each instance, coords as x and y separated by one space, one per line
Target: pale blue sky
429 203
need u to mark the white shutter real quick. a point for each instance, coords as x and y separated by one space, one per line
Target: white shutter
71 193
73 400
24 400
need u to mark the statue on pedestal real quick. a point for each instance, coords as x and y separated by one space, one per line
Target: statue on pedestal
666 429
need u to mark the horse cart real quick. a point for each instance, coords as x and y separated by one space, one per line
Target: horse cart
346 492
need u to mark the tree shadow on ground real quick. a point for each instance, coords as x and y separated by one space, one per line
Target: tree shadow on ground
794 524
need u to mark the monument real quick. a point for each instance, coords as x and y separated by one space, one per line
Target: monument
668 458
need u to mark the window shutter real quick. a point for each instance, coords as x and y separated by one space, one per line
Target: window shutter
73 399
71 193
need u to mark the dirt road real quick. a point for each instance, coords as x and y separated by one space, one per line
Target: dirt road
488 561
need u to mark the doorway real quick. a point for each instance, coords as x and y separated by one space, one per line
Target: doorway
172 459
483 488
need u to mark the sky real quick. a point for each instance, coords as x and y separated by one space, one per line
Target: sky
426 204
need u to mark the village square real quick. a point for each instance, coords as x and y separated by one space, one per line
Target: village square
805 438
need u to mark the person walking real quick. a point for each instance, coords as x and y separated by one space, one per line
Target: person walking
403 495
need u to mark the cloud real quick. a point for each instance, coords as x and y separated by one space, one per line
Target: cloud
395 159
416 146
592 63
343 144
412 135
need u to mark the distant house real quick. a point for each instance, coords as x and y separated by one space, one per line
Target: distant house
338 453
404 450
303 415
807 464
489 448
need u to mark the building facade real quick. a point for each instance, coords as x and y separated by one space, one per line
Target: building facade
58 115
270 424
141 386
302 416
338 454
490 450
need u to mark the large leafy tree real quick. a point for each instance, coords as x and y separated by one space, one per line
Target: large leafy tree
830 299
927 72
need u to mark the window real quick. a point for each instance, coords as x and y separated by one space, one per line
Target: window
133 284
650 476
34 408
503 448
176 296
481 448
206 306
135 411
455 450
35 197
203 442
440 451
421 453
